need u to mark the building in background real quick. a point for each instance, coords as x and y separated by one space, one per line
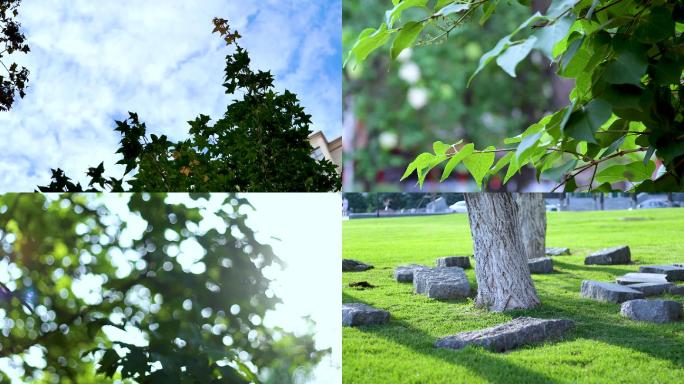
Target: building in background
324 149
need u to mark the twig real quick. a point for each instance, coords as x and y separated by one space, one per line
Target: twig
593 175
595 163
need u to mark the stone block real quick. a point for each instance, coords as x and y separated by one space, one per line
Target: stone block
614 293
655 311
610 256
354 314
515 333
442 283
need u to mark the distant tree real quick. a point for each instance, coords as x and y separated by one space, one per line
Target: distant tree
11 41
260 144
69 277
532 222
358 202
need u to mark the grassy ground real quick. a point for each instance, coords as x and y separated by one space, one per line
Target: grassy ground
603 348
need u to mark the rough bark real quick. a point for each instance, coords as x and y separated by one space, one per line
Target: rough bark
503 278
532 221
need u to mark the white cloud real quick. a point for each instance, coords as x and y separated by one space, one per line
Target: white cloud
91 62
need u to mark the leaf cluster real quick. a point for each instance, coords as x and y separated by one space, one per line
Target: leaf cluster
11 40
625 111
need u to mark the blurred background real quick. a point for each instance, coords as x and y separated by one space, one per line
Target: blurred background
394 110
360 205
162 279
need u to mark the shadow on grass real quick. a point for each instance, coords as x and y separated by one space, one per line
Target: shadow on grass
481 362
613 270
594 321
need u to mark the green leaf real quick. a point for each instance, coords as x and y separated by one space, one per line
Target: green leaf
395 13
666 71
488 10
583 123
636 171
570 185
514 166
408 34
500 46
440 148
503 161
419 163
528 142
557 7
575 59
457 158
452 8
368 41
491 55
550 35
108 363
628 68
649 154
514 54
658 25
557 173
623 96
135 362
613 147
478 164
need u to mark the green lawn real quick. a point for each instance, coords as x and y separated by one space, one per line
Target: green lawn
603 348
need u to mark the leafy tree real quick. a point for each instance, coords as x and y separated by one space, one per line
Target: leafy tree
260 144
624 115
11 41
74 268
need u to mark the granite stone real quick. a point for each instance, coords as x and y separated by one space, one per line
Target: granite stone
671 272
354 314
638 277
609 292
454 261
651 289
510 335
404 273
442 283
610 256
540 265
557 251
656 311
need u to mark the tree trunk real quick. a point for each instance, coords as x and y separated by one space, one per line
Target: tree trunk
503 278
532 221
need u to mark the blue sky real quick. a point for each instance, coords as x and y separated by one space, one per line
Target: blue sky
93 61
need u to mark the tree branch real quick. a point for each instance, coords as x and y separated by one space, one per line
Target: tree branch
596 163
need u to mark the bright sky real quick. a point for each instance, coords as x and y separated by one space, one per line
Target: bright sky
92 61
308 226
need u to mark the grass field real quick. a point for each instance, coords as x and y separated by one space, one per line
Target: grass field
603 348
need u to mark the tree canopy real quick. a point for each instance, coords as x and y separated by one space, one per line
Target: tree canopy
260 144
624 116
11 40
75 268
